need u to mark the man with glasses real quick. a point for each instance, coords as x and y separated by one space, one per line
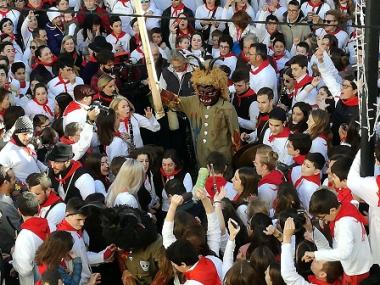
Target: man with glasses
293 32
332 27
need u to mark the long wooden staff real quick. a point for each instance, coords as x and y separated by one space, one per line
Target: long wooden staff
152 75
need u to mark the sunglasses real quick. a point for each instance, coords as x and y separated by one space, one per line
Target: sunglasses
328 21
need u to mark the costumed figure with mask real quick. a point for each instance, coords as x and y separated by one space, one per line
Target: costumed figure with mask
213 118
141 256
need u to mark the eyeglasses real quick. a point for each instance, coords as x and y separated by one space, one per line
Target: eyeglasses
345 86
328 21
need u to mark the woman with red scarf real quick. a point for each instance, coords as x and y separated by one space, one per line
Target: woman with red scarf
43 65
172 168
7 34
347 106
180 28
40 104
107 90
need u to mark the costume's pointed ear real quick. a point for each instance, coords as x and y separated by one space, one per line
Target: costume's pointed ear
201 65
212 62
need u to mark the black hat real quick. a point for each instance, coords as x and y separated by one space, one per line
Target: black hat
23 125
99 43
61 152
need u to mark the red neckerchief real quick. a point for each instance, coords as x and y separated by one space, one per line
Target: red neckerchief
278 56
348 210
74 166
209 185
39 62
66 140
264 64
299 85
324 136
182 33
137 39
275 177
140 51
126 123
262 119
177 10
65 226
344 195
44 106
314 5
211 10
73 105
2 113
99 96
119 36
39 226
283 134
244 57
62 81
316 179
378 191
230 54
314 280
335 32
22 84
351 102
118 134
124 2
26 148
167 176
92 58
204 272
4 14
42 268
248 93
52 199
299 159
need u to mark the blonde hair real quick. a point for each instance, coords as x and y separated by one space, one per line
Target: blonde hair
117 100
129 179
322 123
256 206
104 79
64 40
267 156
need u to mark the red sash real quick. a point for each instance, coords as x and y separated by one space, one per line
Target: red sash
313 178
348 210
44 106
52 199
344 195
204 272
283 134
264 64
275 177
119 36
39 226
73 105
247 94
65 226
299 85
75 165
351 102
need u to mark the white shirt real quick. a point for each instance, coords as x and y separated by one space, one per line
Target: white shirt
22 163
122 42
267 77
367 189
278 145
55 215
341 35
55 87
32 108
306 8
127 199
305 189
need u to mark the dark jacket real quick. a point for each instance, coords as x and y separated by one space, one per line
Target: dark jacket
55 37
342 114
181 87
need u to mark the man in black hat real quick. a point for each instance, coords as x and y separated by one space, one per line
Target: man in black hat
98 45
69 179
18 153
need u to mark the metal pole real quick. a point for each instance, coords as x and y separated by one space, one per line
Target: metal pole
368 104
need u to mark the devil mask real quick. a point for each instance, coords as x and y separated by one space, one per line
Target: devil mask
208 94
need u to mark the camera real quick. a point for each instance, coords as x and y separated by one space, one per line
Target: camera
97 104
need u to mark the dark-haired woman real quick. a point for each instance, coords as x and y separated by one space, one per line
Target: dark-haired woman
43 65
40 103
112 142
300 114
98 167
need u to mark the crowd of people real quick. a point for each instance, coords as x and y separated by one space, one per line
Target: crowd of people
251 177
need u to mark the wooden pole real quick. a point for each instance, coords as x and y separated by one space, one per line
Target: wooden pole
152 75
